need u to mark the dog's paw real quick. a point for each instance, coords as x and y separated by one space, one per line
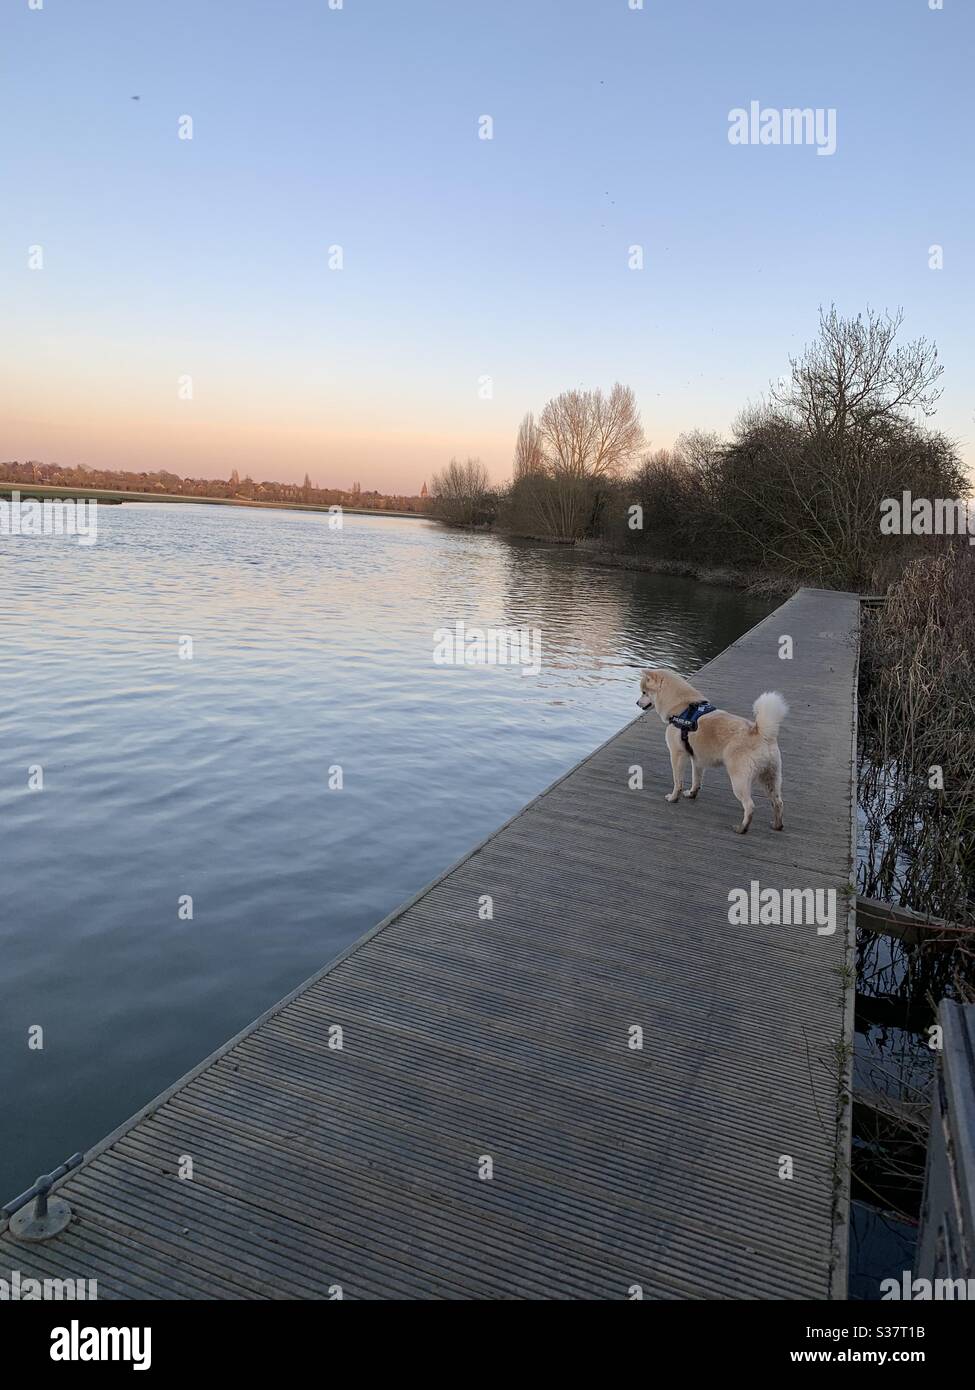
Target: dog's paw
672 796
691 796
741 829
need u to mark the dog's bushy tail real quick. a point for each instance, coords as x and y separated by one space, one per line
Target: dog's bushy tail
770 709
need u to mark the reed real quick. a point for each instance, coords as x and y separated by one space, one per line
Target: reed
917 753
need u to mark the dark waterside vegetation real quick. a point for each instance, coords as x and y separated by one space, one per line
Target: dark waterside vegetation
792 496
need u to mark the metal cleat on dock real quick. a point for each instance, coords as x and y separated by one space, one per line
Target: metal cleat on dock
49 1215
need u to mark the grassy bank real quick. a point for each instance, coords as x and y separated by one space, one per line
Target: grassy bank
761 582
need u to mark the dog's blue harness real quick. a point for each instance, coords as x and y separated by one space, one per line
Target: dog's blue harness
687 722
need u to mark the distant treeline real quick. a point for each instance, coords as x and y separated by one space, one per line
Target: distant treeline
171 484
795 490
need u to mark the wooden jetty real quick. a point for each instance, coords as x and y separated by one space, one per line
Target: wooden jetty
490 1126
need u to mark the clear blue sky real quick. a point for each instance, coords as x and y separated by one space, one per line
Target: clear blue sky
463 258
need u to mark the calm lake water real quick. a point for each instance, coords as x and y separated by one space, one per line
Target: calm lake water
209 777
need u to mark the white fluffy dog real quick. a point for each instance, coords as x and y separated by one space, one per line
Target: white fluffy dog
709 737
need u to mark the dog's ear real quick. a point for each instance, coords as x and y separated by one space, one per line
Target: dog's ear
651 680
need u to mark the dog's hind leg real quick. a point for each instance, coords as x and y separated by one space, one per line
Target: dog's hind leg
741 785
774 784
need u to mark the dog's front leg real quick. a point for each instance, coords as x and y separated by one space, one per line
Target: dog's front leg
677 757
697 774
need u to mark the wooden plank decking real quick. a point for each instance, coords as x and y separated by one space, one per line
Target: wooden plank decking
315 1167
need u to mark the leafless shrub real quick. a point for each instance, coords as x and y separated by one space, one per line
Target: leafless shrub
461 494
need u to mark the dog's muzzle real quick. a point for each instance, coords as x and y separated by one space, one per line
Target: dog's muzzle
645 701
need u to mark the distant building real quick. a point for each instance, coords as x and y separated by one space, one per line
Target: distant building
423 491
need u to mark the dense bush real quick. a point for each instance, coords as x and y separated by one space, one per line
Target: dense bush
798 487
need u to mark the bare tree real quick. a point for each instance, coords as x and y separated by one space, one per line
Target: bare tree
698 451
855 376
583 441
586 435
529 456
